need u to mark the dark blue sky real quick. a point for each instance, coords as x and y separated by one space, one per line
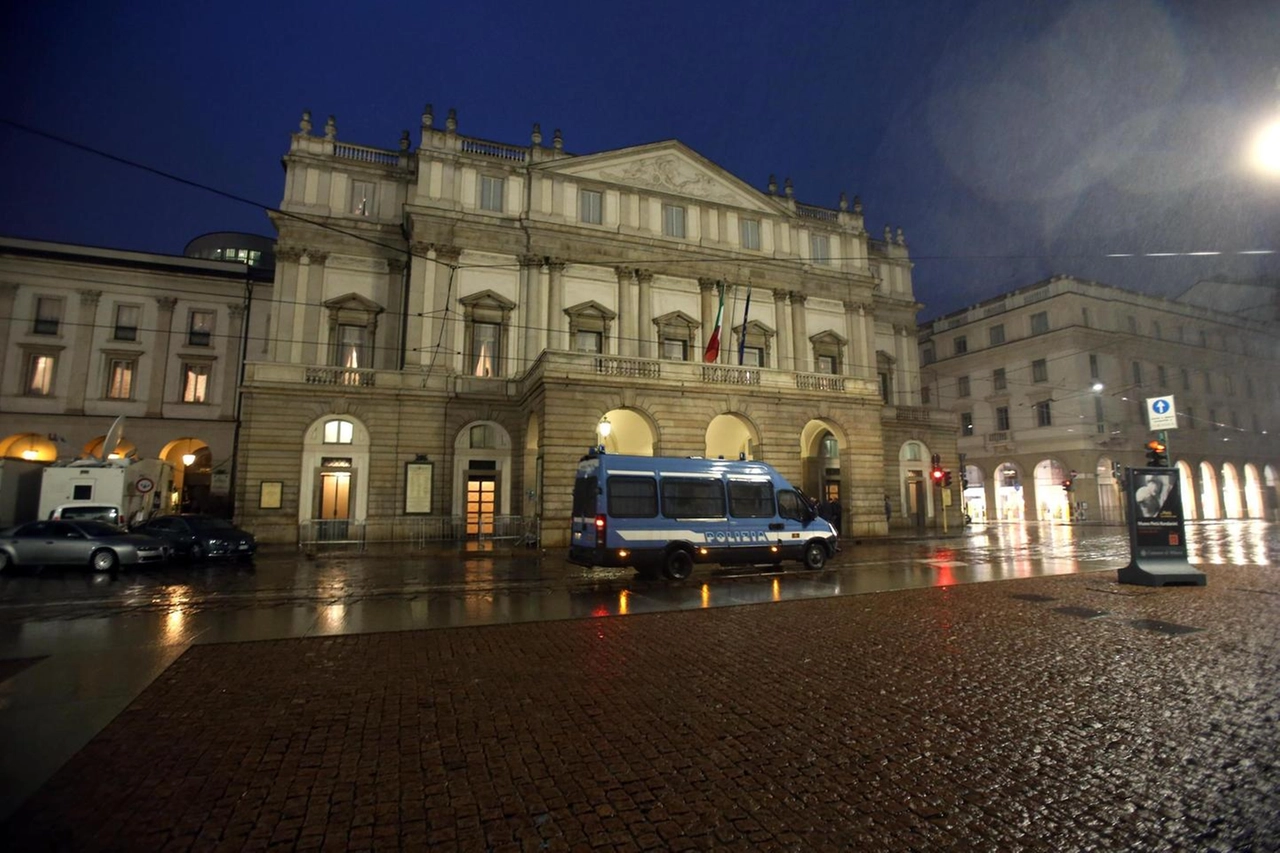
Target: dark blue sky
1010 140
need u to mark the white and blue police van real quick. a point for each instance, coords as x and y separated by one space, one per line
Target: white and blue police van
655 513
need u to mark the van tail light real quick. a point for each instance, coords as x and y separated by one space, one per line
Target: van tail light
600 528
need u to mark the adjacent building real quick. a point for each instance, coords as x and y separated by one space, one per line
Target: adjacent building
88 335
1047 386
453 325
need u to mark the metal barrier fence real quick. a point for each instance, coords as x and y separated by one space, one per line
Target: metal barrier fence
414 531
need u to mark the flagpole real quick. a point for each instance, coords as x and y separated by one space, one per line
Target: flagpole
742 335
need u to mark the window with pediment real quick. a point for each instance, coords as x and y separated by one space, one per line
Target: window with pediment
677 333
353 326
755 344
828 352
589 324
487 316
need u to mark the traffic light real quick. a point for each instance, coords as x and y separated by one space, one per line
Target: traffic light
937 475
1066 485
1156 455
946 479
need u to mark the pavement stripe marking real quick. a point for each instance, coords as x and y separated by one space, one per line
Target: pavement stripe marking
1082 612
1167 628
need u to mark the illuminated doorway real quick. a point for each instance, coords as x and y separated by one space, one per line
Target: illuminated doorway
482 504
334 511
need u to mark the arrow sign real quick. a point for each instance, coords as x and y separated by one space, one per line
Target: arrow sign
1161 413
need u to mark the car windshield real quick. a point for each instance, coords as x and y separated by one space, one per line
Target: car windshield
99 529
210 523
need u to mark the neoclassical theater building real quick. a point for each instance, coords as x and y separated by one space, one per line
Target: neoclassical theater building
452 326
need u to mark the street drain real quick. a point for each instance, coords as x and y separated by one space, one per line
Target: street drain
1082 612
1168 628
1032 596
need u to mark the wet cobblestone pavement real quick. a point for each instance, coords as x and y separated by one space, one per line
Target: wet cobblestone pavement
1064 713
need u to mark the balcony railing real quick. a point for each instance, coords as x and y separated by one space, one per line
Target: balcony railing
365 154
912 414
817 212
640 368
1001 437
819 382
493 149
341 376
730 375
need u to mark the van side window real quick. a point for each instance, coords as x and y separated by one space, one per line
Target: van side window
584 497
750 500
689 498
789 506
633 497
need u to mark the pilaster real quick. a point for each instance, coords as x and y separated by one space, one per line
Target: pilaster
390 356
644 331
231 373
76 385
160 368
782 322
799 332
555 305
312 309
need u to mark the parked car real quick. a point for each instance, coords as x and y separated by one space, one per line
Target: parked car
101 546
109 513
199 536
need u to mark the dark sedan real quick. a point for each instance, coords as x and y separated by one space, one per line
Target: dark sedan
199 536
101 546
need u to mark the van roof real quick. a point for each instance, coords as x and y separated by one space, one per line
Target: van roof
613 462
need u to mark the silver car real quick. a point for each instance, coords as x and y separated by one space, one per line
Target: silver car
96 544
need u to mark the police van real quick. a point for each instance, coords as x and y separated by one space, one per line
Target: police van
665 514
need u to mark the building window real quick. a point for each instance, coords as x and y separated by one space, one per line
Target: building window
961 345
1044 413
672 220
1155 330
361 201
486 354
120 378
1186 379
1002 418
127 322
338 432
482 437
926 394
928 357
828 353
48 316
1084 317
200 328
1039 370
492 192
1162 376
351 350
195 383
749 229
588 342
962 386
913 452
1098 414
886 387
1093 366
1133 324
966 423
674 349
1137 373
996 334
820 249
591 207
1039 322
825 364
998 381
752 356
40 368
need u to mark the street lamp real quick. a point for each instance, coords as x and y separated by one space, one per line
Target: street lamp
604 428
188 459
1266 149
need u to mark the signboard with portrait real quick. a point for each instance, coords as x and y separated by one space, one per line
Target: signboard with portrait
1155 500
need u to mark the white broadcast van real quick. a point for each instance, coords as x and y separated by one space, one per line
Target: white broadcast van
655 513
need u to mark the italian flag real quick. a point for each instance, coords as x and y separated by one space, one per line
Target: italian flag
713 346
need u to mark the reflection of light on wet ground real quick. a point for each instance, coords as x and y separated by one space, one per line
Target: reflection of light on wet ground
706 595
622 602
777 590
175 598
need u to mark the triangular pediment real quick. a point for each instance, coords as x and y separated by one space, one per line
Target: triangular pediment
590 308
667 167
353 302
675 319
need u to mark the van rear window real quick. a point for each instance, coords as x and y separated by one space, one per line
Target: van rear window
690 498
633 497
750 500
584 497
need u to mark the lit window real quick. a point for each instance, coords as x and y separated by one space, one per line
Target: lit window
48 316
338 432
673 220
590 207
127 322
195 383
200 331
486 353
492 192
351 350
40 375
120 379
362 201
750 231
966 423
826 364
820 249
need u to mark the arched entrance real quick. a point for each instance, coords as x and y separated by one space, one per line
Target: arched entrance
192 472
915 493
974 498
1209 492
626 431
731 436
482 477
332 493
1010 505
1255 506
1232 506
820 470
1053 502
28 446
1188 491
1108 491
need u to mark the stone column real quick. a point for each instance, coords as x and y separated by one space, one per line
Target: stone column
781 322
901 389
911 369
8 295
626 318
421 327
709 289
853 365
555 305
530 267
389 354
231 376
79 379
645 332
308 349
284 301
799 332
160 365
866 314
442 301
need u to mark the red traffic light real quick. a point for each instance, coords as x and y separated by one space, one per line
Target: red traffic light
1156 444
937 475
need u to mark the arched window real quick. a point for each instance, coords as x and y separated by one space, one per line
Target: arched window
338 432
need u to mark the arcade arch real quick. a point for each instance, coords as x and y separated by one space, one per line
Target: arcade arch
915 494
29 446
974 497
1108 491
1231 504
731 436
1253 499
1010 503
1209 506
1187 490
192 463
1053 503
332 490
820 443
482 476
627 431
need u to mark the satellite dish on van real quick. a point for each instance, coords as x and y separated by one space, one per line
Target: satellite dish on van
112 440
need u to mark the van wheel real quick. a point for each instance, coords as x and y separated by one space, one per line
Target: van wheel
104 560
815 556
678 565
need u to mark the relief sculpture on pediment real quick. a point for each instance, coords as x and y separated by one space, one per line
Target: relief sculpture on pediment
671 174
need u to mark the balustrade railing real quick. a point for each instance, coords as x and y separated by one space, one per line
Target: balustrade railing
722 375
493 149
822 213
636 367
1000 437
819 382
365 154
340 376
912 414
